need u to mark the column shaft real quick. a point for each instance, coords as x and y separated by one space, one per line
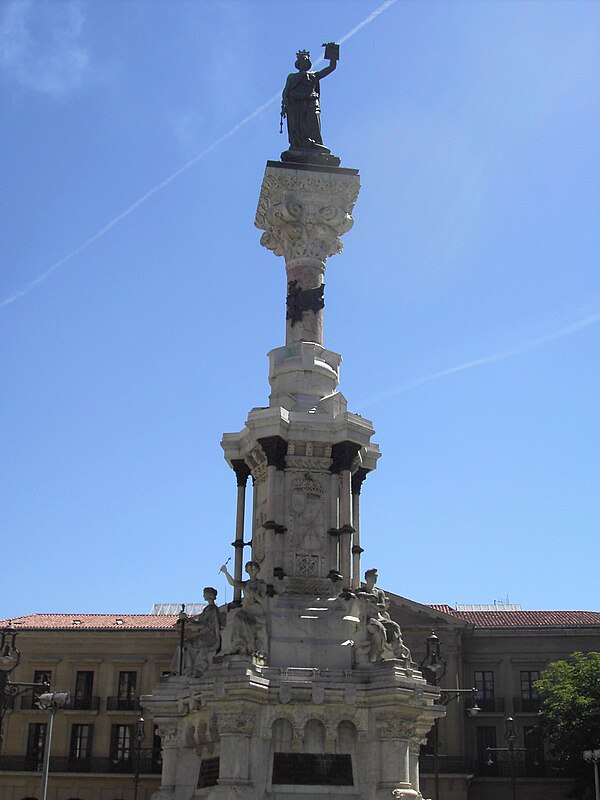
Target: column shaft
241 472
357 481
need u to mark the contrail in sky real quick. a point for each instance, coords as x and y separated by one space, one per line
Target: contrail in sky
151 192
567 330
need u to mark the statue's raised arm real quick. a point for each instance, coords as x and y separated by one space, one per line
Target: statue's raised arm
300 105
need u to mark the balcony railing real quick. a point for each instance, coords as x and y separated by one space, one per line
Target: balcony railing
491 703
448 765
523 769
150 765
526 704
123 704
84 703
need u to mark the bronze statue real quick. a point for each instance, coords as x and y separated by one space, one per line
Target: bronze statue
300 105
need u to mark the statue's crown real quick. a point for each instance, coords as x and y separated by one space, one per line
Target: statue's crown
303 53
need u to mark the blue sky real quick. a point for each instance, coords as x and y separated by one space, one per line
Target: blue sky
466 304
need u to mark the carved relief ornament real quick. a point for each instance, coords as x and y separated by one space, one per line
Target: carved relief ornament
168 733
235 722
390 727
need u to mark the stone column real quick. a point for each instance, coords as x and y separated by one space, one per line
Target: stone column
334 522
168 737
274 448
413 764
394 763
357 481
343 455
242 471
235 729
303 211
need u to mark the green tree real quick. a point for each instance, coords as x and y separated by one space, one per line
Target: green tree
570 711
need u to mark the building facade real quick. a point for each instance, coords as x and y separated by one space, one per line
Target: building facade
107 662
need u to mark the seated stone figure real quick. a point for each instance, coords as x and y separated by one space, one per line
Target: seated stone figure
249 632
393 635
371 603
205 641
383 635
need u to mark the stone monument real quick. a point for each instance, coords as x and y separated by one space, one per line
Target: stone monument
310 691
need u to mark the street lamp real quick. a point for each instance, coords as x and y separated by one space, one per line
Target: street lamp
140 733
593 757
10 657
50 702
510 737
434 668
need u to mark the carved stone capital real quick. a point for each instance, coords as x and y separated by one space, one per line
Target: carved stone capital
242 471
168 732
236 722
304 212
391 727
343 455
274 448
358 478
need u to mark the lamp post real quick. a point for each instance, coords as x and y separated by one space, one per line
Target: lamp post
593 757
434 668
10 657
510 737
140 733
50 702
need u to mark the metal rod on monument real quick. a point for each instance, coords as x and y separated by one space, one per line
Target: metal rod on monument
242 473
182 617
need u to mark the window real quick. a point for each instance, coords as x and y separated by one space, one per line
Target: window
81 742
126 693
484 684
486 737
530 700
127 684
29 699
42 676
84 682
36 739
534 751
120 744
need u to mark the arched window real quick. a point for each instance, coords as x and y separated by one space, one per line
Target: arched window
283 734
346 737
314 737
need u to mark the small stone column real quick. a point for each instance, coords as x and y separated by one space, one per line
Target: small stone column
357 482
235 729
168 737
394 763
274 448
413 766
334 519
343 455
242 471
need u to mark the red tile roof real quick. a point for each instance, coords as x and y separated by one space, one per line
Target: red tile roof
480 619
444 607
526 619
92 621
